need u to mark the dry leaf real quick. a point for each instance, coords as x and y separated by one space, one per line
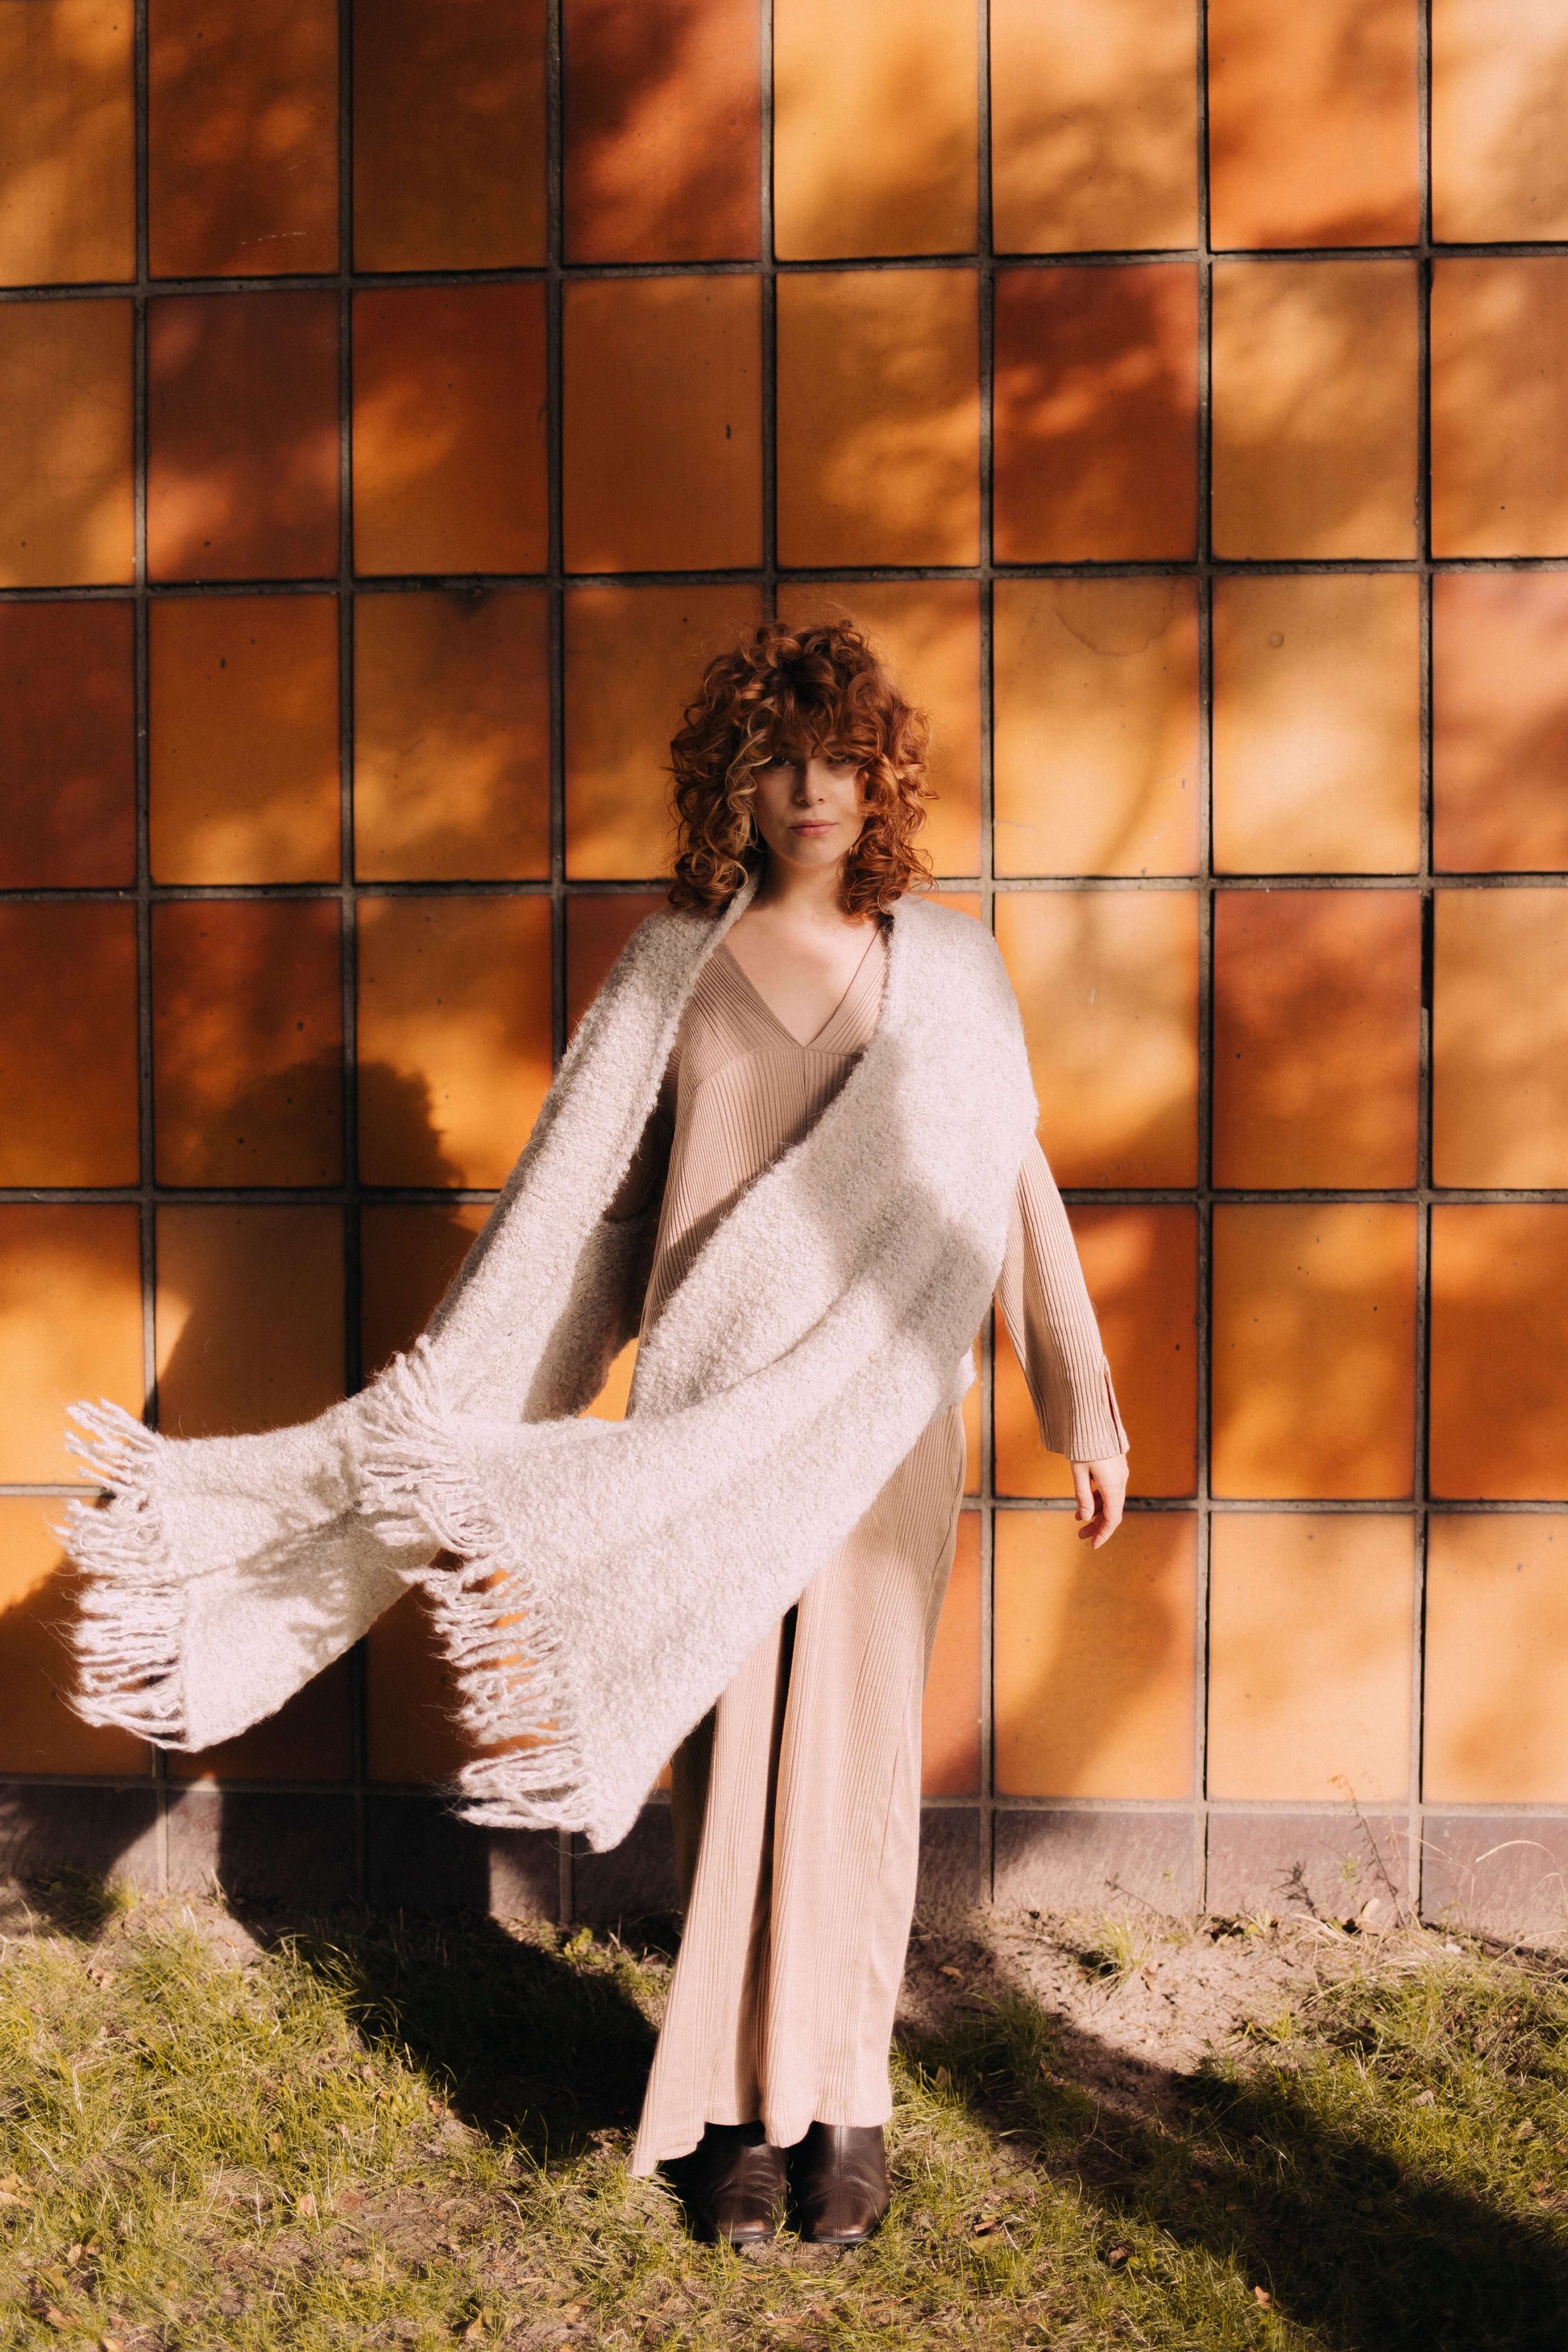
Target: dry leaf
306 2207
942 2078
1261 2295
350 2199
571 2311
55 2318
474 2330
1425 2098
9 2197
1526 2130
1118 2253
947 1970
110 2343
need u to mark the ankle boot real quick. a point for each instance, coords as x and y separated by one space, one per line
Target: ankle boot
733 2184
841 2183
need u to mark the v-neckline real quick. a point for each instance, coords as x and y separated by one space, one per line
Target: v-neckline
802 1044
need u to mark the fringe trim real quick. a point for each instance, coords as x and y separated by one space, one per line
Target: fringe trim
415 1485
128 1637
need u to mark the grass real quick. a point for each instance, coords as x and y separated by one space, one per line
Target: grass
412 2135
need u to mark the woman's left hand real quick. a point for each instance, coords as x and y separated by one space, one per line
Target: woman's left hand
1100 1488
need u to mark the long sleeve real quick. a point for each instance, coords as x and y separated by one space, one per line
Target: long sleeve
1045 1301
642 1187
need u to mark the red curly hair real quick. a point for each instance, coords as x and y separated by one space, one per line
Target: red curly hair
801 692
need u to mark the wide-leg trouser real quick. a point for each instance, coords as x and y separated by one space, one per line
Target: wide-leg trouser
796 1816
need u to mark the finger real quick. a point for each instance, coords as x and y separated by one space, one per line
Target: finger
1083 1491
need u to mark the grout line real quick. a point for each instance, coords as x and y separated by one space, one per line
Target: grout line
1204 1333
985 292
768 266
1422 1337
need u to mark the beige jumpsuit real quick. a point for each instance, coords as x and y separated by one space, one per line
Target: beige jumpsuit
796 1804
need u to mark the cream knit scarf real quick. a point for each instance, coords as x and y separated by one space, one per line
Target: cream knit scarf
613 1575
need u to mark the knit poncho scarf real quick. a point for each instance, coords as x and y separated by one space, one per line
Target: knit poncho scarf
613 1576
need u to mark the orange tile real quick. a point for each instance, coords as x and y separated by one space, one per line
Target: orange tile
878 417
448 134
1499 91
1499 1038
873 129
1096 759
311 1738
38 1733
1311 1622
928 632
1315 366
663 132
410 1696
1096 413
409 1253
70 1327
454 1036
1500 721
1499 1351
1317 1037
1312 134
949 1722
247 1042
250 1316
1317 723
1314 1350
66 143
1094 128
64 456
68 772
611 1402
662 460
68 1043
633 658
243 739
1495 1719
448 429
1095 1657
597 929
242 138
242 428
452 736
1141 1267
1500 405
1108 981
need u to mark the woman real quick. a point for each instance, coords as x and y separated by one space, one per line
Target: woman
791 1144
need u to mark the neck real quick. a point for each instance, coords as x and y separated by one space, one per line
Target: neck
804 893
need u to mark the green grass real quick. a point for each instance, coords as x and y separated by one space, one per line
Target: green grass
417 2136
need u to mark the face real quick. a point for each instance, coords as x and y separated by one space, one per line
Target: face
809 810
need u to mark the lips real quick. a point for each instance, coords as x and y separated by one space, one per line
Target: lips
812 825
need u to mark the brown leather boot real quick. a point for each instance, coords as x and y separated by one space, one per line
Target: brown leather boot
841 2175
732 2184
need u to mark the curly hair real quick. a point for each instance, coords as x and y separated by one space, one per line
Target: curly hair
801 692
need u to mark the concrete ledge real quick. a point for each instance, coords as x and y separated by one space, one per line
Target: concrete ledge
636 1880
1324 1866
949 1880
270 1847
102 1832
1067 1861
1497 1873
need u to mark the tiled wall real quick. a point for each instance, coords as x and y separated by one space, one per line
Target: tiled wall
402 399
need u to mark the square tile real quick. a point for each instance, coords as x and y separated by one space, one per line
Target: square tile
1500 721
1316 1038
928 632
243 739
1312 1622
598 926
1500 86
1312 130
1096 413
70 1327
409 1252
661 456
1094 126
873 129
1324 1866
1314 437
878 417
1094 1671
1096 717
1141 1267
68 769
295 1852
1313 1383
1500 405
633 659
1499 1038
454 1036
450 134
949 1722
1317 723
247 1042
1097 1861
38 1731
242 435
449 407
419 1855
249 1316
68 153
1499 1351
663 132
242 138
949 1884
1503 1874
1108 981
452 735
65 515
68 1043
1496 1720
107 1834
